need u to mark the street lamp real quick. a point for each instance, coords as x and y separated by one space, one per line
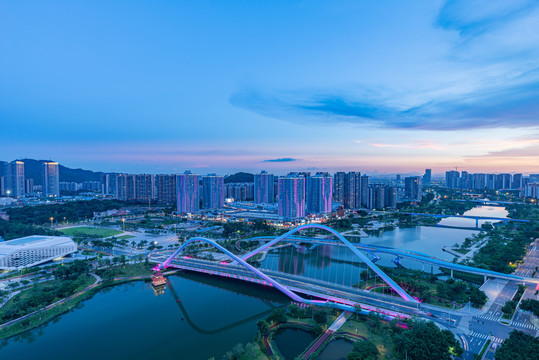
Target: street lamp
51 220
8 192
123 224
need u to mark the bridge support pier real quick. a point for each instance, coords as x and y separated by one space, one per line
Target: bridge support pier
451 273
485 278
477 223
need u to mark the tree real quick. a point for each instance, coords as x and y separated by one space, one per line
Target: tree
509 307
375 322
13 285
294 310
478 298
425 341
318 329
364 350
530 305
519 346
320 316
263 327
278 316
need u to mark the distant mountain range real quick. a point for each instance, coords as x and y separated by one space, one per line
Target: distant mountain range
33 169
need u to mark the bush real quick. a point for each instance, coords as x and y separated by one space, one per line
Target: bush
530 305
320 316
363 350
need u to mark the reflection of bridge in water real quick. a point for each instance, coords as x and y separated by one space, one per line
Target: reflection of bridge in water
337 290
417 256
476 218
199 329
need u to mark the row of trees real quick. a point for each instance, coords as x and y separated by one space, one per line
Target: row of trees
507 244
530 305
519 346
11 230
70 211
44 294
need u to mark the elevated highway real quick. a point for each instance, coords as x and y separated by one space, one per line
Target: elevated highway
399 253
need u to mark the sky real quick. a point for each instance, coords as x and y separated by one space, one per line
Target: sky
381 87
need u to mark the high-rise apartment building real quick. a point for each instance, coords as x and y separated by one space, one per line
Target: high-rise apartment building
14 178
291 195
352 190
51 179
531 190
240 191
29 186
144 187
213 191
381 196
364 190
188 193
109 184
138 187
390 194
490 181
479 181
451 179
166 188
264 188
427 177
503 181
517 181
339 179
412 188
319 194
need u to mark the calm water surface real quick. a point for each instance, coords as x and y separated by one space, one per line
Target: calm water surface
336 350
191 320
199 316
292 342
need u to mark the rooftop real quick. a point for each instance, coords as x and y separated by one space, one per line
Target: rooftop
34 241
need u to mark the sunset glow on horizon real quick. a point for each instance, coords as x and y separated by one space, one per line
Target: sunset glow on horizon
169 86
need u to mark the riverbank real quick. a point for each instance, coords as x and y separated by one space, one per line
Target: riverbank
52 311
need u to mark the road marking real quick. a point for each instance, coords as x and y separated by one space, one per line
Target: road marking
519 324
488 317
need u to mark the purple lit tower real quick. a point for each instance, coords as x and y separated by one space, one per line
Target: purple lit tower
188 194
213 191
264 189
319 194
292 197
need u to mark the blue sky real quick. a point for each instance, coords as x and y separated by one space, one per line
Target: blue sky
215 86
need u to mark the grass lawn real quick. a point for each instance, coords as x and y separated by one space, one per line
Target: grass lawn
128 270
124 237
86 230
256 354
26 302
361 328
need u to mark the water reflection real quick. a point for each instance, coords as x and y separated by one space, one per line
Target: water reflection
230 326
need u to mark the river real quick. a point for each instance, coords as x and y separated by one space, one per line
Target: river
198 316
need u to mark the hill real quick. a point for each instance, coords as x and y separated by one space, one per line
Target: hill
32 170
240 177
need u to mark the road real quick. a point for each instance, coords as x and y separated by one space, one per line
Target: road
488 325
472 326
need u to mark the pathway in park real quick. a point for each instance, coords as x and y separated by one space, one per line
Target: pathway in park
333 328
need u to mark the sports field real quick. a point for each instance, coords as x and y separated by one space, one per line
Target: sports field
86 230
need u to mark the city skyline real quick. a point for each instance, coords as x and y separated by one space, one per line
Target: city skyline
164 87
